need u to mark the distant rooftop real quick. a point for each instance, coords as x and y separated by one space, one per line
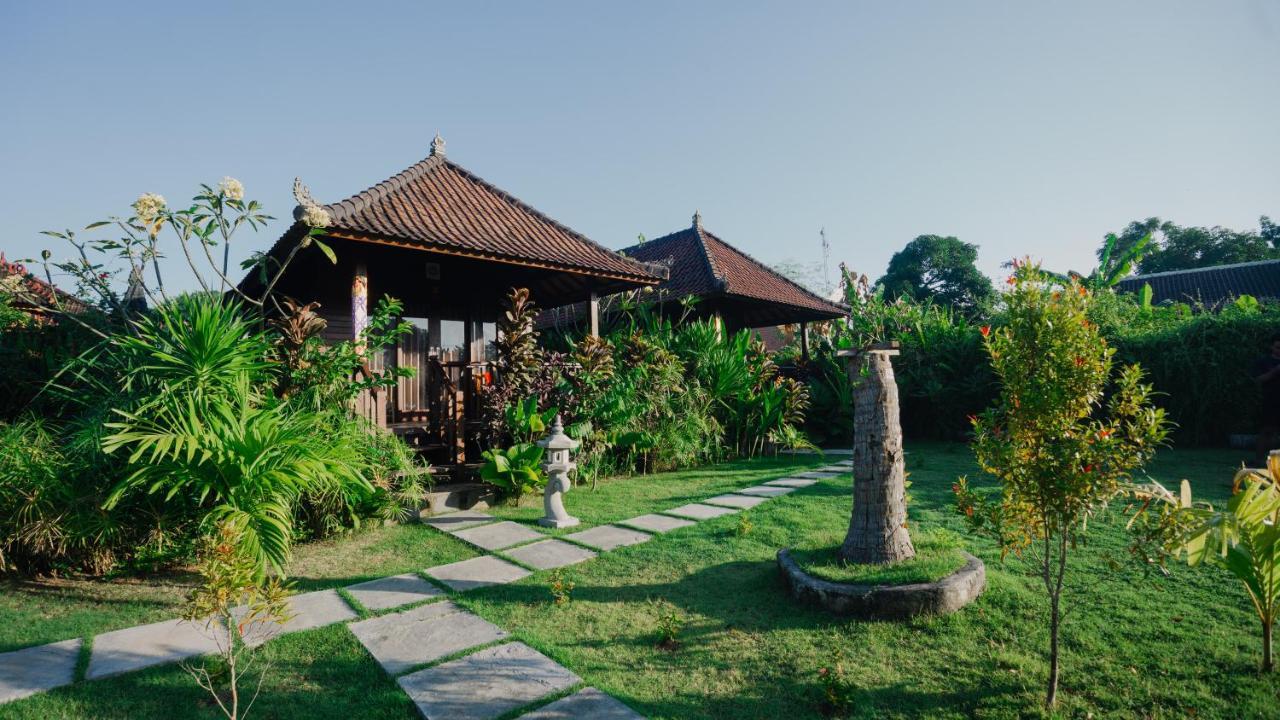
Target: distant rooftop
704 265
1210 286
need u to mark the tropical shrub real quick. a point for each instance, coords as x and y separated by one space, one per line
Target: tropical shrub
942 372
195 411
52 486
515 470
1059 446
249 457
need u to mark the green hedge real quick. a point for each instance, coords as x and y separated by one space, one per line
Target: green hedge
1198 362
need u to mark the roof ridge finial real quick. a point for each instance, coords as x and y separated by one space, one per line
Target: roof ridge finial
437 145
697 220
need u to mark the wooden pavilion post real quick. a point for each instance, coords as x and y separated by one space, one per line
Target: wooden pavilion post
878 523
804 341
371 404
594 308
360 305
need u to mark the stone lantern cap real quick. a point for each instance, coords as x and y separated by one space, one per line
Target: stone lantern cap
557 440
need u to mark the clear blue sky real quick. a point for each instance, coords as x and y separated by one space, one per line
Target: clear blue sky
1021 127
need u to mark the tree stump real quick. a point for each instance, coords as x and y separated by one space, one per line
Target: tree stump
878 524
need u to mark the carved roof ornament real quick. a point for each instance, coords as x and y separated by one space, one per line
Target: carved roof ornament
302 195
437 146
697 219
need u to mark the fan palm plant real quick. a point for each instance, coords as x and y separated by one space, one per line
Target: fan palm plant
247 458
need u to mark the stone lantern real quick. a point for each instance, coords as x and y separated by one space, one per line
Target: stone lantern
557 464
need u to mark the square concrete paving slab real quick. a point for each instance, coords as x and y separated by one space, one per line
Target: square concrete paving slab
550 554
486 684
458 520
477 572
498 535
389 592
698 511
138 647
36 669
735 501
792 482
766 491
608 537
817 475
837 469
309 610
657 523
586 703
400 641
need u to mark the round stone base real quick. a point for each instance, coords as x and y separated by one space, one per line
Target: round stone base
559 523
886 602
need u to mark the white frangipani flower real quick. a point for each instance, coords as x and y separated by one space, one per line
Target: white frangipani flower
232 188
148 207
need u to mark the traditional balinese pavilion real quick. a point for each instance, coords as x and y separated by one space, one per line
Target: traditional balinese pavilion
450 246
730 286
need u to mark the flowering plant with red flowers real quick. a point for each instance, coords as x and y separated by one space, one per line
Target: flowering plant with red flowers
1060 447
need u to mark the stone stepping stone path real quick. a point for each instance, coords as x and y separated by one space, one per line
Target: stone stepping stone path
477 573
458 520
483 685
837 469
608 537
817 475
550 554
309 610
735 501
487 683
586 703
36 669
792 482
657 523
134 648
765 491
392 592
404 640
497 536
698 511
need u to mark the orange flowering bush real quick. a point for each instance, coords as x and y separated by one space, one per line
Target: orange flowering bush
1060 449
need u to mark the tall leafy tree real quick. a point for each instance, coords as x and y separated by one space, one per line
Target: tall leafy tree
941 269
1176 247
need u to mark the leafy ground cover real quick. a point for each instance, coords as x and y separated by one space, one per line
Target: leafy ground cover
1136 646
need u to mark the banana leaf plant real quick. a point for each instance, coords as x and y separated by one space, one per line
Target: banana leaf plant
1243 538
516 470
1112 267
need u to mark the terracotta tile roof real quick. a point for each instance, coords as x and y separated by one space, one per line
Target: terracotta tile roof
1211 286
703 264
40 295
438 205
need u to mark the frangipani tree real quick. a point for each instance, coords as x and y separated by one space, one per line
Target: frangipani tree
1243 538
1060 448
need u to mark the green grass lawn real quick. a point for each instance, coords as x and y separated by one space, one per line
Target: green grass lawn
1135 647
38 612
938 554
